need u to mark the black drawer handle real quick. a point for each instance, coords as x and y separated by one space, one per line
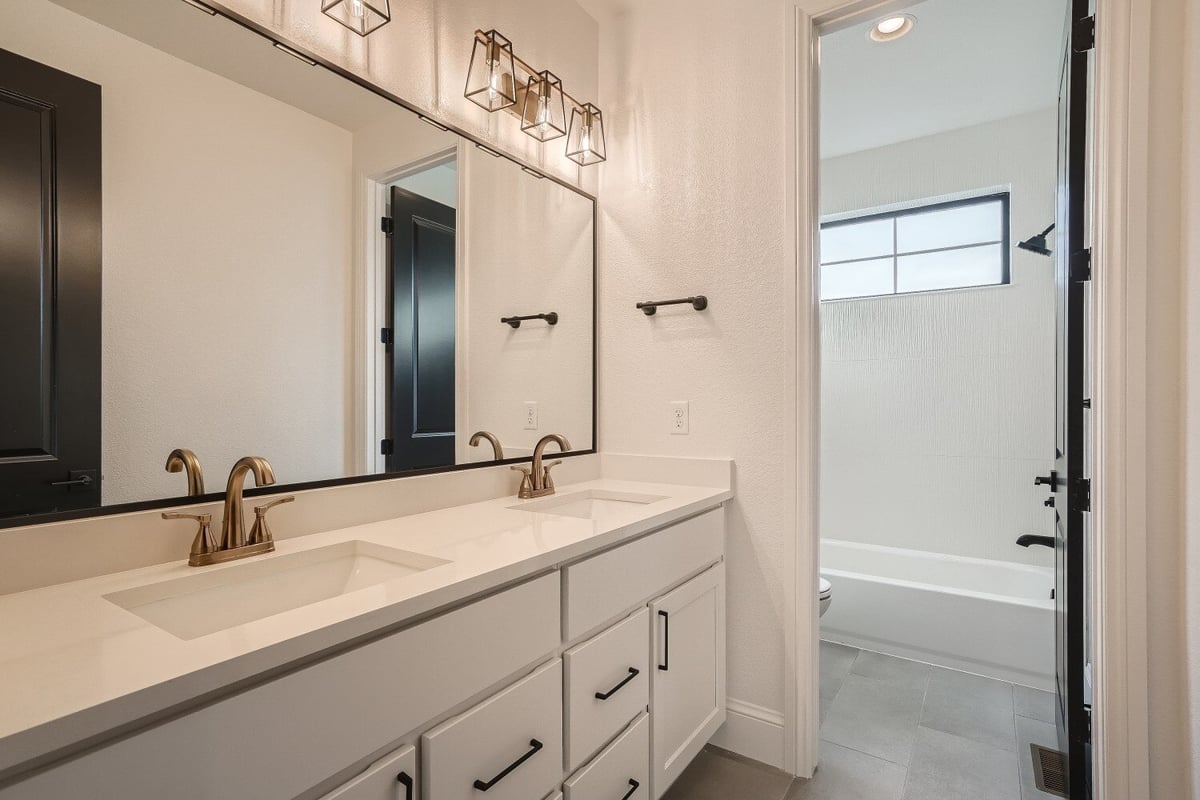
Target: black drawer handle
633 673
534 746
407 782
666 641
633 787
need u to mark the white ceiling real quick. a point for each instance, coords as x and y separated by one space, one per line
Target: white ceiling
964 63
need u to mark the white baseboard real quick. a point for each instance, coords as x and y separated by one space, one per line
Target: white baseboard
752 731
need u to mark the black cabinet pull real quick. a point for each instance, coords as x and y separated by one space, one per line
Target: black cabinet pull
666 641
407 782
633 787
633 673
534 746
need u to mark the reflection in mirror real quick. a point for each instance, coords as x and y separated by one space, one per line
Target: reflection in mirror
278 262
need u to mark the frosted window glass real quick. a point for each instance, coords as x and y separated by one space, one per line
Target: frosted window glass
856 279
950 227
856 240
970 266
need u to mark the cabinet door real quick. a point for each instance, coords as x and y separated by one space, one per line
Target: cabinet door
687 684
393 777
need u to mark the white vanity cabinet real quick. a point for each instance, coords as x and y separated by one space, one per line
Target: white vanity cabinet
393 777
687 684
631 684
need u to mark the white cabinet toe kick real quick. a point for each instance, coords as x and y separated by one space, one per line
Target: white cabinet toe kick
601 679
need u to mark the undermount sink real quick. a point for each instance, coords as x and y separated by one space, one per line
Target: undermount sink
214 601
588 504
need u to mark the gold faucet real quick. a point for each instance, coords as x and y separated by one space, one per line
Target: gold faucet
537 481
497 450
182 459
233 543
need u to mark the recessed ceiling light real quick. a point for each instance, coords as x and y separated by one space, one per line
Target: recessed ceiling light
889 28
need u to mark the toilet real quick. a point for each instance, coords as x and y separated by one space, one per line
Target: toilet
825 595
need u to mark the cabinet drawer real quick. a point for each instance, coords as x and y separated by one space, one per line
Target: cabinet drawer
283 737
618 773
510 743
614 665
393 777
601 588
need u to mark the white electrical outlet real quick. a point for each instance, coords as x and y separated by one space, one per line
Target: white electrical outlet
531 415
679 417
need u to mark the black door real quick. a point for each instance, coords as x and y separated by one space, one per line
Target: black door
49 289
1071 498
421 405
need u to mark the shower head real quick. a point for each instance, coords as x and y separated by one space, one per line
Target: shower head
1037 244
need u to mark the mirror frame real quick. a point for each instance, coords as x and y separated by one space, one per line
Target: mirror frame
271 39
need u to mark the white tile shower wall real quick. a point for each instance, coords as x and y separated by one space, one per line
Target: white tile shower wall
938 408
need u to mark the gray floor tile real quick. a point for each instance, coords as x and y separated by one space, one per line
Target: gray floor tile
845 774
1032 703
715 775
948 767
896 671
835 665
1032 731
980 709
875 717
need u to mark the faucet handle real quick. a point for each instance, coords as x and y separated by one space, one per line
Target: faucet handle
547 480
260 533
526 490
204 542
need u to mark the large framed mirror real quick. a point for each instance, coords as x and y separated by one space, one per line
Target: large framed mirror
210 243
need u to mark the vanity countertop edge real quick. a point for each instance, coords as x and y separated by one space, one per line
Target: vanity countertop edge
78 669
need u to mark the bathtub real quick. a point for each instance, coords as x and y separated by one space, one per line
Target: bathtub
992 618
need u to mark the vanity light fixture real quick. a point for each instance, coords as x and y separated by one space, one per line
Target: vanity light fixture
360 16
493 84
585 142
492 76
891 28
544 116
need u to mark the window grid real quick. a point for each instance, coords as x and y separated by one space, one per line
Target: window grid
895 216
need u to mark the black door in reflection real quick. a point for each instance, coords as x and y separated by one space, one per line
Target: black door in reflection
49 289
421 402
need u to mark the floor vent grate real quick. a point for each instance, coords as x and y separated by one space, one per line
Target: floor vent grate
1049 770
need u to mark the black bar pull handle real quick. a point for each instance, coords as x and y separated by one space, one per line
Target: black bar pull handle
650 307
633 787
633 673
551 318
666 664
534 746
406 781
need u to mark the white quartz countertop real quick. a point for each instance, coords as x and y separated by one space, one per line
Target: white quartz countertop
75 667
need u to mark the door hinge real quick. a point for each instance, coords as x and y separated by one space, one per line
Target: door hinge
387 225
387 336
1085 494
1083 38
1081 265
385 447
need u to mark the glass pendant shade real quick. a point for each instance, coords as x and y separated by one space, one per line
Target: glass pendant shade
544 115
585 140
492 80
360 16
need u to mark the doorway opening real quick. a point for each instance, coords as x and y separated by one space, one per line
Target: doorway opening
951 372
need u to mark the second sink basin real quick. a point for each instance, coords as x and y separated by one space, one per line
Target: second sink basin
588 504
213 601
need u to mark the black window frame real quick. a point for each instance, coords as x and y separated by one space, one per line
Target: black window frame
1005 244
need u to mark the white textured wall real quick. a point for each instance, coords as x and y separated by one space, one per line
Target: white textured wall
423 55
527 250
693 201
937 409
206 185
